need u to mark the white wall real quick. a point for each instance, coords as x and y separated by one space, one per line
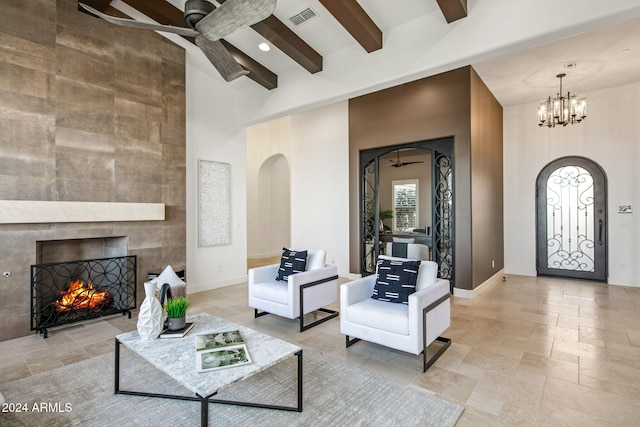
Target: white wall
320 182
213 133
610 136
316 144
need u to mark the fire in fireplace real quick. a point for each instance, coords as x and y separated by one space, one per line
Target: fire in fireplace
82 296
68 292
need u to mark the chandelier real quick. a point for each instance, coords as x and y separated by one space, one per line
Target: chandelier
562 110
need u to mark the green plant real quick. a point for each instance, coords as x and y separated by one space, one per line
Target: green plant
176 307
388 214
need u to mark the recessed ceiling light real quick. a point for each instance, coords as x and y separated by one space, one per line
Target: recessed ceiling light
264 47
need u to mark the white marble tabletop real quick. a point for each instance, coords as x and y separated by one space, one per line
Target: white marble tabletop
177 356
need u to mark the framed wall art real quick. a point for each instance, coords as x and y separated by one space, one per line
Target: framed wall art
214 203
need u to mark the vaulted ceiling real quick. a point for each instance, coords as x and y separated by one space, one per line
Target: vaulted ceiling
343 21
330 43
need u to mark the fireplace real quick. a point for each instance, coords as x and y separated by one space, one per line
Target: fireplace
71 291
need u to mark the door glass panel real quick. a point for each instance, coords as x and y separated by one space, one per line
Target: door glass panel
405 205
570 219
370 222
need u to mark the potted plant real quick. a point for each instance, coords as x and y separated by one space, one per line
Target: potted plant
176 313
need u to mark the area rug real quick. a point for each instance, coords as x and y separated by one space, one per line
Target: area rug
335 394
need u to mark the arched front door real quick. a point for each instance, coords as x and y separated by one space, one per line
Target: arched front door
571 219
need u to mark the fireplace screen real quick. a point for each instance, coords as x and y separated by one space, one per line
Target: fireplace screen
67 292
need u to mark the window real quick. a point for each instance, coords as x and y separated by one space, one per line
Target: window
405 204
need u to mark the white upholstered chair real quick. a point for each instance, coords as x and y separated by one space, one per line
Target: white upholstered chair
408 327
302 293
411 250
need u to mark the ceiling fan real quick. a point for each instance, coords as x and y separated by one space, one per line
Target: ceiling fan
208 25
398 164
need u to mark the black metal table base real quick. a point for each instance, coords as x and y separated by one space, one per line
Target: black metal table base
206 400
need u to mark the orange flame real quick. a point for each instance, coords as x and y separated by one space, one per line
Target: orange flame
80 295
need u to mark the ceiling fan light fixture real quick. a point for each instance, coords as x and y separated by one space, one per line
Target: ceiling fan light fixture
562 110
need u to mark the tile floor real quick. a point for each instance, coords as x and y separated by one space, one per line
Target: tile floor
526 351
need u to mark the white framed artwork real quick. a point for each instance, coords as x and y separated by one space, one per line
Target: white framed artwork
214 203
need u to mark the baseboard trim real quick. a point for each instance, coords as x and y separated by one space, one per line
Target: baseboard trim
472 293
192 289
619 281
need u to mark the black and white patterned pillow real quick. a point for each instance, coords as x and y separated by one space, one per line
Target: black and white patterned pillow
292 262
395 280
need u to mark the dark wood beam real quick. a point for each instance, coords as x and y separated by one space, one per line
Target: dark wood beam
453 9
160 11
100 5
257 72
356 21
165 13
281 36
288 42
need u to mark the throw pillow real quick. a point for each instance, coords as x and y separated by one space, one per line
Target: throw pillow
168 276
292 262
395 280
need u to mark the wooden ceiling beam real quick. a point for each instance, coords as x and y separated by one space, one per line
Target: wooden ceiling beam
356 21
257 72
453 9
100 5
281 36
160 11
165 13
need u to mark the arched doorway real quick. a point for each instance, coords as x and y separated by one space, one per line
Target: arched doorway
571 219
269 214
435 157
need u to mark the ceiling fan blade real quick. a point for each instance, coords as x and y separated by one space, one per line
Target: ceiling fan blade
233 14
183 31
220 57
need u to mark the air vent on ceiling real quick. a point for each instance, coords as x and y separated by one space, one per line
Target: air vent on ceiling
302 17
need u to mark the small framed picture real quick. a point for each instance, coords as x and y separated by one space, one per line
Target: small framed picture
625 209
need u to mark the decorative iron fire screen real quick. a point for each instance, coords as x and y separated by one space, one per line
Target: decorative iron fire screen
68 292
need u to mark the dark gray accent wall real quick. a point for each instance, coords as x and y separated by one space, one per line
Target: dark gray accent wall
432 108
88 112
487 220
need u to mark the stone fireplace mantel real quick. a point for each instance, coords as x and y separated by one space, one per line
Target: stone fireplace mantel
34 211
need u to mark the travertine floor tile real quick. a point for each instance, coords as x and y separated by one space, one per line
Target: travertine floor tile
526 352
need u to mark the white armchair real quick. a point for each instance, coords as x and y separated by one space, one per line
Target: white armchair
302 293
413 250
408 327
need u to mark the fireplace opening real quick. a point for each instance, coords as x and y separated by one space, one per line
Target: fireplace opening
71 291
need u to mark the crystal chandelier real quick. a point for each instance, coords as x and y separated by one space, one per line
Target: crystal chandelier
562 110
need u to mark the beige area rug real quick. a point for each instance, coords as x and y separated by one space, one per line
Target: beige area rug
335 394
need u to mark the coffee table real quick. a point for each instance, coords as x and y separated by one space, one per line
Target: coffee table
176 357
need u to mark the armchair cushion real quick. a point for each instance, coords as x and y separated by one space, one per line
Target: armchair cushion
277 291
292 262
396 280
387 317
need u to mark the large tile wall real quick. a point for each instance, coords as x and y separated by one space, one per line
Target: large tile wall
88 112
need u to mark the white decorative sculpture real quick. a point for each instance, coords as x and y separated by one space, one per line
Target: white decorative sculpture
151 317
